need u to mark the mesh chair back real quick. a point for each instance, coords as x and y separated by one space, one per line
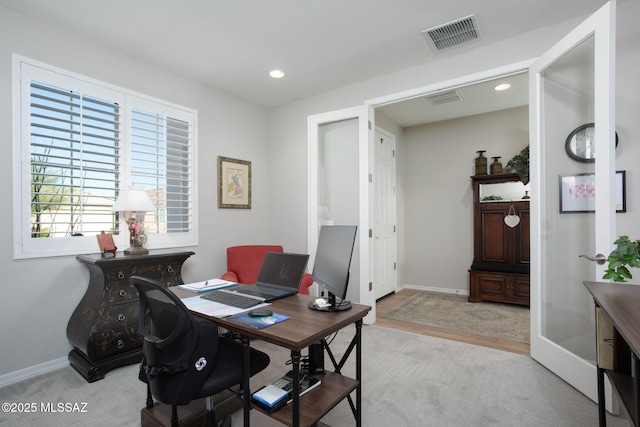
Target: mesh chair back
179 349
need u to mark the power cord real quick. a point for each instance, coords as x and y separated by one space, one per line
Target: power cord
304 363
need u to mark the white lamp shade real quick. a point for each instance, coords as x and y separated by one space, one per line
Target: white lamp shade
133 199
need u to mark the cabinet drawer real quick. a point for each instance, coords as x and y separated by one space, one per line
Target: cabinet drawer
116 330
167 272
120 292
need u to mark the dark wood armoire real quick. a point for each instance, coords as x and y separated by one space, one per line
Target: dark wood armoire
500 268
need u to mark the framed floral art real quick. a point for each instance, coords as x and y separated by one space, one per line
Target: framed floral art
578 192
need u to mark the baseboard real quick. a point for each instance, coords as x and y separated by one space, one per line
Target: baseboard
33 371
464 292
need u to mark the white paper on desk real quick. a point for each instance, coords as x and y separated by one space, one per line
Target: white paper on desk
215 309
207 285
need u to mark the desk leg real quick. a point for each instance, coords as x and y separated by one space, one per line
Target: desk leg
359 373
246 373
295 361
602 413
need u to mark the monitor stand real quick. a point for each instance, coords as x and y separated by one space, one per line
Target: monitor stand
333 305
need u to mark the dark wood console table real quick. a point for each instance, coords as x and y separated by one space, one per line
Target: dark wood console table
618 344
103 328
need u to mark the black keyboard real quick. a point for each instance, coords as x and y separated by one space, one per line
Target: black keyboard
232 298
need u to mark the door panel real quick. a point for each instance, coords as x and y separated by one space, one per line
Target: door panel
384 216
566 85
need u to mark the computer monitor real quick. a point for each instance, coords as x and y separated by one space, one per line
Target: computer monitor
332 263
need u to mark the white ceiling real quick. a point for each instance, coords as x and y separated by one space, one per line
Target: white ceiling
321 45
474 99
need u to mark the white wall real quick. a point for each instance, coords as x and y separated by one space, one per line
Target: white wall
435 162
37 297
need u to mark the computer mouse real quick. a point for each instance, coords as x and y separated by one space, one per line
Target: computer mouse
260 313
321 302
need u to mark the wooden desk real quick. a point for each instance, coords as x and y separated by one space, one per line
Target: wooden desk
305 327
618 344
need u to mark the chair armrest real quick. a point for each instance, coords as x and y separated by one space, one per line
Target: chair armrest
230 276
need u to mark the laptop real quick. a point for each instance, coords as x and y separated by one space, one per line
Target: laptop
280 276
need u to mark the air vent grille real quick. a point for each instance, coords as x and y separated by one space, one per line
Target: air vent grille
445 97
453 34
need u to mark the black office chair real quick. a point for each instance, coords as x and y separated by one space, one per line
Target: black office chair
184 359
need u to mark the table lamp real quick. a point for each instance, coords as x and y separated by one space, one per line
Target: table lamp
133 203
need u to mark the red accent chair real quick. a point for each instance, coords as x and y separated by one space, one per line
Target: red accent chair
244 262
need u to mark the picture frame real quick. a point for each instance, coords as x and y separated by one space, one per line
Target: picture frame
577 192
234 183
106 244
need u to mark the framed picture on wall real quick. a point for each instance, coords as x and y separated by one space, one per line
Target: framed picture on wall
234 183
578 192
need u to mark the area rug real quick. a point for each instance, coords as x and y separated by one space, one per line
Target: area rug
496 320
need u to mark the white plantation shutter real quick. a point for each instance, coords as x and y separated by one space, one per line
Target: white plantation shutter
74 162
79 142
161 159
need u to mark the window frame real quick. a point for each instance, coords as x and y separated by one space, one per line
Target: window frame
25 70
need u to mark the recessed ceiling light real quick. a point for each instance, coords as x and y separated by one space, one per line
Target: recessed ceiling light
503 86
276 74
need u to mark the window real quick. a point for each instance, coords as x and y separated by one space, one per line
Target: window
78 141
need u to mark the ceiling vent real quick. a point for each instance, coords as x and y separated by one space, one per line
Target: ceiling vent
453 34
445 97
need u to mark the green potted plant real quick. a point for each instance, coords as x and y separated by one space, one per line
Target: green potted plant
520 165
627 253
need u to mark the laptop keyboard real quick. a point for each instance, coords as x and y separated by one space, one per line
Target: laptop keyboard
232 298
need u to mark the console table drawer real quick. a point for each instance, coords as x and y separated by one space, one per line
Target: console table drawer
116 331
165 271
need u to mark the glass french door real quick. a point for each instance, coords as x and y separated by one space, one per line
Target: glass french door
571 85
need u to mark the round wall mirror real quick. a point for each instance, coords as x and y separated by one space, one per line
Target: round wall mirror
581 143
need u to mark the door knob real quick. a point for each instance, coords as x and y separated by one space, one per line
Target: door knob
599 258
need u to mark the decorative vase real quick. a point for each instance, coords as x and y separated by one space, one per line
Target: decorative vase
496 166
481 163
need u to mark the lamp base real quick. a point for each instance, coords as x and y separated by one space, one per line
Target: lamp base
138 250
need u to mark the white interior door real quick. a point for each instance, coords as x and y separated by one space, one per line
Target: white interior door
339 191
384 264
571 85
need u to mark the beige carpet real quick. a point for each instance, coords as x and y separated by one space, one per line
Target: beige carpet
496 320
408 380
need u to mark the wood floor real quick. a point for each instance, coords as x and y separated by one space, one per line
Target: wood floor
391 301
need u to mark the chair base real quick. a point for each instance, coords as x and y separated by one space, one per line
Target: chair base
225 403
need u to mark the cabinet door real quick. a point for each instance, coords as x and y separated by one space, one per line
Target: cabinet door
500 243
494 237
520 289
491 286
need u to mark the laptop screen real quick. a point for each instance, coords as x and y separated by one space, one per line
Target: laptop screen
283 269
